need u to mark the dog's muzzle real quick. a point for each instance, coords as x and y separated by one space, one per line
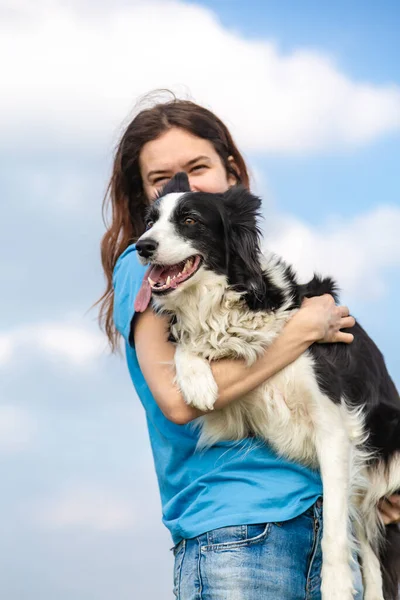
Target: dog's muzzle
146 248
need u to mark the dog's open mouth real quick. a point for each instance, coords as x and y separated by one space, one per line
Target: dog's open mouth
167 278
162 279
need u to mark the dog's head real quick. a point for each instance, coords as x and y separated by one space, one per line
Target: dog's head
188 234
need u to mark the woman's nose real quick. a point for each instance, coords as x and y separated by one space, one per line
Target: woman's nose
193 186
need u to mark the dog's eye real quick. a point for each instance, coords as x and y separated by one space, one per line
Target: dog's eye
149 225
189 221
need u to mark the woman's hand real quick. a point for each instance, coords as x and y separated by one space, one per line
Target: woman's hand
390 509
323 319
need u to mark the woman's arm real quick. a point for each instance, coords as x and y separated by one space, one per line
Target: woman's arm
319 319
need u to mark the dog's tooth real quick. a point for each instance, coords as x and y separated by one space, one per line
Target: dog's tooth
151 282
179 273
168 280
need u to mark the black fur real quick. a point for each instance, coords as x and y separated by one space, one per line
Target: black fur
239 212
228 225
318 287
178 184
152 213
227 236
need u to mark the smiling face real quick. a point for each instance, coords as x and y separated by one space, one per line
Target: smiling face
178 151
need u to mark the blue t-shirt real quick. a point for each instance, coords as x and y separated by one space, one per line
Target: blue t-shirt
231 483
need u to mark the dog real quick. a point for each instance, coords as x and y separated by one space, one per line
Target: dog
225 298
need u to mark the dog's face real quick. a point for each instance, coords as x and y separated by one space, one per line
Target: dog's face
188 234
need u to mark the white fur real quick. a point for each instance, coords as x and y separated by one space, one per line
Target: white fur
190 369
288 410
273 264
177 248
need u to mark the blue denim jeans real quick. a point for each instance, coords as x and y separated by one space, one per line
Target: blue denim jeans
267 561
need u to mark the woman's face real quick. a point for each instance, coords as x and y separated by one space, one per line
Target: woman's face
177 150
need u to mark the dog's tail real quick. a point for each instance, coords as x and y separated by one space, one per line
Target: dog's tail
390 562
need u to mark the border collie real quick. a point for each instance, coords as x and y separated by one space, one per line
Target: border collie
334 408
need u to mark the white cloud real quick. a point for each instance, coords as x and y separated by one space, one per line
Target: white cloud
357 252
17 429
72 76
86 505
6 348
68 342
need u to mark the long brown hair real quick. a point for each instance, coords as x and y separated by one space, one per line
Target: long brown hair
125 193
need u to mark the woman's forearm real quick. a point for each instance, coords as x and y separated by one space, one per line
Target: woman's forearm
232 376
234 379
318 319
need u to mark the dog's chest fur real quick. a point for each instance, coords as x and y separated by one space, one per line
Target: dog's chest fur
214 322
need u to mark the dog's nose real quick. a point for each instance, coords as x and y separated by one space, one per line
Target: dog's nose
146 247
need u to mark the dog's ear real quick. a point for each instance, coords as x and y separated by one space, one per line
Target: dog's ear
178 183
243 239
243 207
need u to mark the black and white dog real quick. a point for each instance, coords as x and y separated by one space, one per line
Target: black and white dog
335 407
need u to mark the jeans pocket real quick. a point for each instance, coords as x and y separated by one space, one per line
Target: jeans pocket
179 553
227 538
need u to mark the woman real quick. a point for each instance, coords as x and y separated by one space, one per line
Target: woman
245 523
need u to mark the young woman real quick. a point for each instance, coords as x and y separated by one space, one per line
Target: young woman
245 523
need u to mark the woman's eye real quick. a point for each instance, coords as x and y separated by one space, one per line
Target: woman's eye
189 221
149 225
160 180
197 167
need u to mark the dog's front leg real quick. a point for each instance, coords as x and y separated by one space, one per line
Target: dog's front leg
333 448
371 568
195 379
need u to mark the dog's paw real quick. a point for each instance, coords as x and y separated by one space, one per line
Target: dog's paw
195 380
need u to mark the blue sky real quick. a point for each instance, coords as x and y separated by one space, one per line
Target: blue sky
363 37
82 510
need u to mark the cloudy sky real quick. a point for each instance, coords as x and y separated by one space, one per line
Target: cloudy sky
312 96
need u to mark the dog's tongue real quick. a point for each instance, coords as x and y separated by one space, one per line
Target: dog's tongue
144 294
